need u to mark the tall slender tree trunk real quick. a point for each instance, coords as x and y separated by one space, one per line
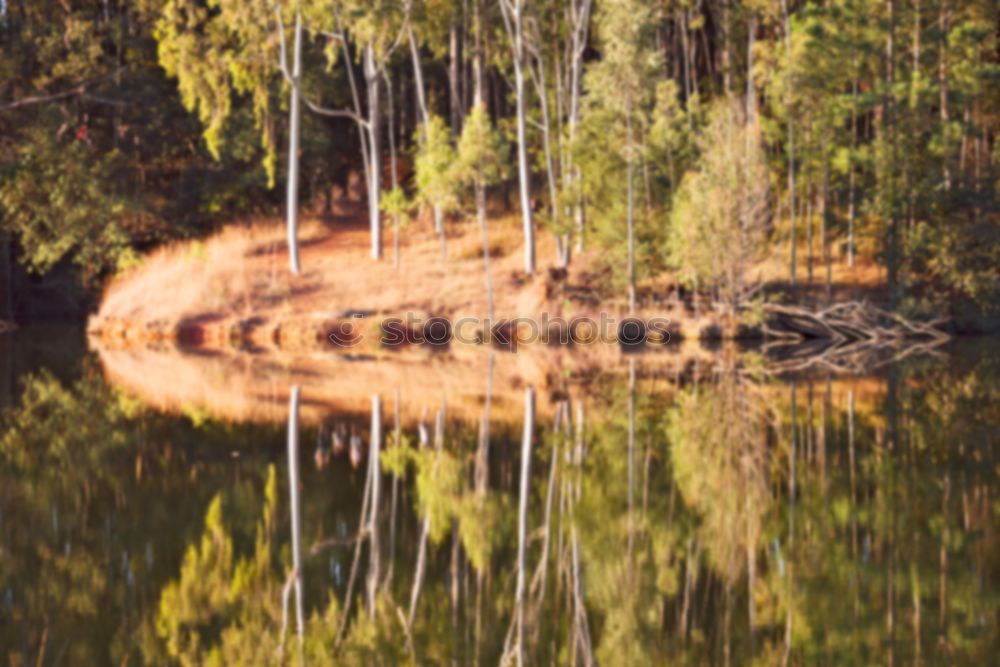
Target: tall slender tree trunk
484 230
295 118
852 173
889 122
454 93
393 169
825 229
944 26
514 18
562 246
791 149
6 239
725 66
374 124
581 22
810 195
480 99
751 101
630 169
418 85
362 131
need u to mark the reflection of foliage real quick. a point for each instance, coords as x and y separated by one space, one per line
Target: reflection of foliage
97 495
716 447
213 591
443 497
885 508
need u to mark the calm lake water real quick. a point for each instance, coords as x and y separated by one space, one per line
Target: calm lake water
660 518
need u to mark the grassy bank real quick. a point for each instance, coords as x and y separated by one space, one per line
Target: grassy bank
235 289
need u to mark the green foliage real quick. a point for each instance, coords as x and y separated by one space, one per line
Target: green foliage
433 173
126 125
481 151
719 222
394 202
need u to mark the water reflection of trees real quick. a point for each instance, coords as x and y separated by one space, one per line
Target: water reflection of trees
726 520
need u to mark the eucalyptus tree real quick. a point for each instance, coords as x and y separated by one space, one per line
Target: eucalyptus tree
721 216
236 50
479 164
434 172
514 18
621 94
555 38
378 28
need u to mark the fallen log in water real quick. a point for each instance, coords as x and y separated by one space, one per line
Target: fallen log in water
853 337
847 322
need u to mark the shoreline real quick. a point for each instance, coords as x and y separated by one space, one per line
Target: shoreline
233 290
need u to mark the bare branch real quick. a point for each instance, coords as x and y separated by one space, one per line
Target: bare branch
335 113
79 89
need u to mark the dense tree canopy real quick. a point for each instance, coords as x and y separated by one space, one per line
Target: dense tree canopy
128 124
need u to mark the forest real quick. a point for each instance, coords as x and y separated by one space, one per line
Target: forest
689 138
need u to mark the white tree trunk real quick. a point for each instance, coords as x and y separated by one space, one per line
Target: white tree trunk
375 166
418 82
631 215
513 16
581 24
295 115
791 151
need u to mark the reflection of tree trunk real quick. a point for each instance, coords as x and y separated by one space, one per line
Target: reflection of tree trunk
853 501
421 567
7 241
418 576
943 563
631 467
538 581
374 451
522 515
686 599
580 622
293 493
363 523
453 575
483 455
726 621
791 464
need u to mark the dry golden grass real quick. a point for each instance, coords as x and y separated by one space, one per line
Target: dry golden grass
242 273
238 281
